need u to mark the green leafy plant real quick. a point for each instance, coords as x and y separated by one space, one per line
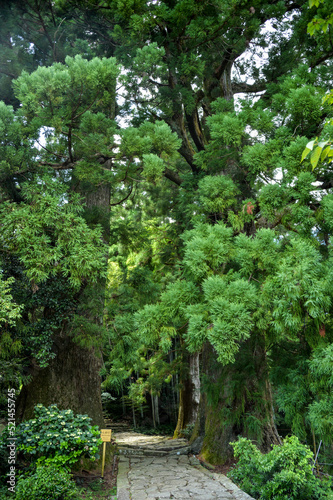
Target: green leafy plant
58 437
319 23
46 482
285 473
188 431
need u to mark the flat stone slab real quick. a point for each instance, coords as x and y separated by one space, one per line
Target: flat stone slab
172 477
135 445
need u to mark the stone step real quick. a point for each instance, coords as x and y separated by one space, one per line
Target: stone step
117 426
166 449
137 451
131 452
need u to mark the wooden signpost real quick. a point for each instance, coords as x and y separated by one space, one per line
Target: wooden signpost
106 438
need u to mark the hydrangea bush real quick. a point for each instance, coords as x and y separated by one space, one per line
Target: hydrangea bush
58 437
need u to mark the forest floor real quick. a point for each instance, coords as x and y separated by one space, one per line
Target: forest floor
159 467
92 485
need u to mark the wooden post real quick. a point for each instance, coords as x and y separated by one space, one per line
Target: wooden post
103 459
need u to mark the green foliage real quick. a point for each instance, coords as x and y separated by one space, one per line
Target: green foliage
253 264
299 285
188 431
260 157
49 482
227 128
293 396
217 194
141 258
9 311
320 411
58 437
321 148
327 205
4 456
16 145
207 248
72 104
50 236
229 319
153 167
319 22
51 242
61 90
285 473
273 199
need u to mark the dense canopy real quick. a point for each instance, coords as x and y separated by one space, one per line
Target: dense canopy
167 212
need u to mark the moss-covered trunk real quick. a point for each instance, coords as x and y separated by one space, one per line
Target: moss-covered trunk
71 380
235 400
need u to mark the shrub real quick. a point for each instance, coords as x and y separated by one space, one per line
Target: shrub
285 473
3 453
58 437
49 483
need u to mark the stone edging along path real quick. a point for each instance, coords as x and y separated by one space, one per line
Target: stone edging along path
156 467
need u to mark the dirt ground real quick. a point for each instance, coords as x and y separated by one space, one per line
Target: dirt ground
92 482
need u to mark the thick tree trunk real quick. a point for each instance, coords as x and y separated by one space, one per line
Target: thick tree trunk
153 409
189 396
157 410
71 381
236 401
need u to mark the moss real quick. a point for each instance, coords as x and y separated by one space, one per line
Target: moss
237 401
216 448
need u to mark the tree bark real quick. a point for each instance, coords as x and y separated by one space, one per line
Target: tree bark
189 396
71 381
157 411
237 401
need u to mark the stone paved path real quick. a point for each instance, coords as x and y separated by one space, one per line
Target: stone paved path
156 468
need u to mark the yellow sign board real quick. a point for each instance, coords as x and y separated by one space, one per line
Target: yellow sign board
106 435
